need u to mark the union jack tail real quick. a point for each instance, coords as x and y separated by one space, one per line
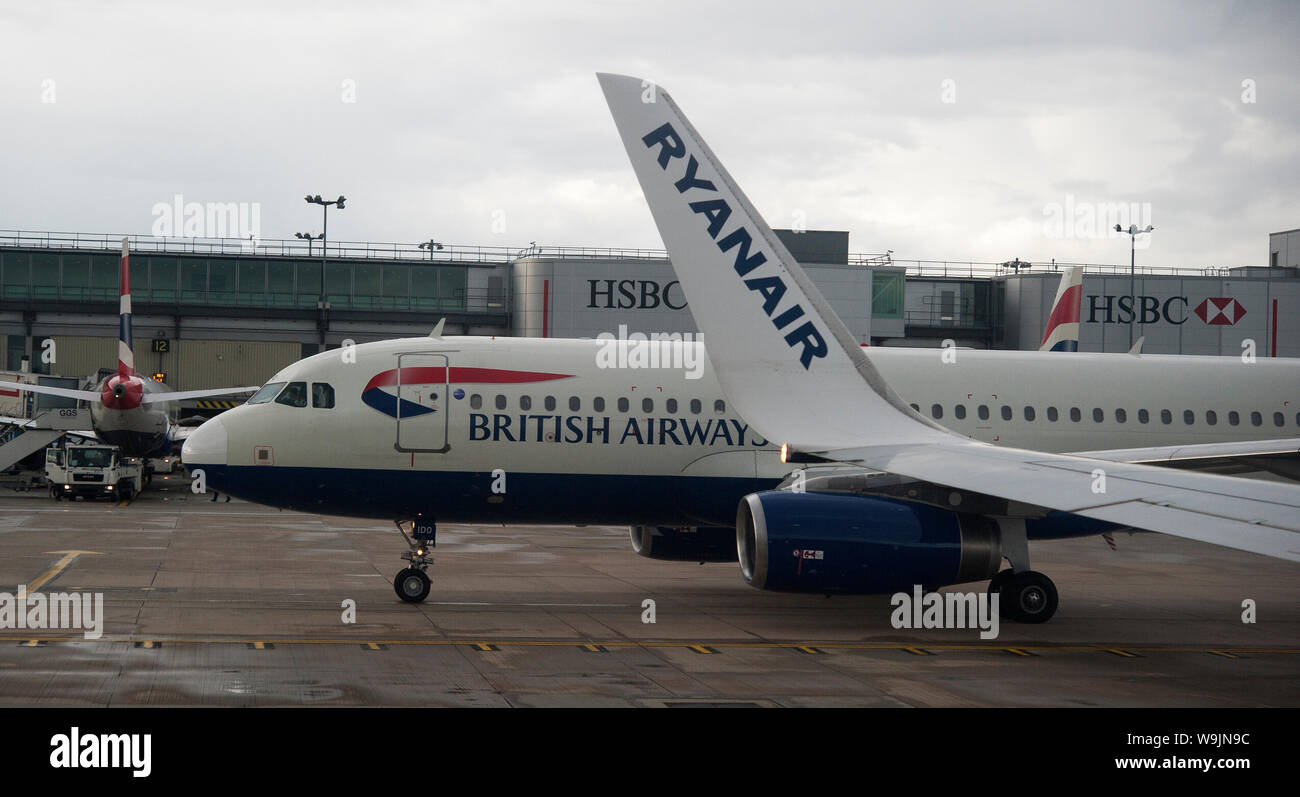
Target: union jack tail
1062 333
125 357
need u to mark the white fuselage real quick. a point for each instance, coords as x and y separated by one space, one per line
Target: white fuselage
538 430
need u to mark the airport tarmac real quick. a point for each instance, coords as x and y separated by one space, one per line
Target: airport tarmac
234 604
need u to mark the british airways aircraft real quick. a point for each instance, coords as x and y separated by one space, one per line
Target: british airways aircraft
866 472
126 409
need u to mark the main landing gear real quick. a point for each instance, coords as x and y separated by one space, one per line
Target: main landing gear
412 583
1024 595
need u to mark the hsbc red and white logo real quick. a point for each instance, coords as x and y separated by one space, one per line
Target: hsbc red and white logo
1220 311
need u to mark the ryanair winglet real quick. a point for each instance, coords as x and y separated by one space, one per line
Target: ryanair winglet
1062 332
781 353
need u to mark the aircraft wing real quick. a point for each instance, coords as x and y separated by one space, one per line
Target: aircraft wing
790 367
65 392
1281 456
182 395
1247 514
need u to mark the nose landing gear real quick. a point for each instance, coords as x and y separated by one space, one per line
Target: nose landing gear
412 583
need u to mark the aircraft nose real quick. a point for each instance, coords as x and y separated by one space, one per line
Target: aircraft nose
206 445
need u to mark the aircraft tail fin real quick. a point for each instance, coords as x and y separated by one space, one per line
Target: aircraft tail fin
1062 332
125 354
772 337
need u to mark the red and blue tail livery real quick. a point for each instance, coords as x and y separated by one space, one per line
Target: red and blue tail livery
1062 333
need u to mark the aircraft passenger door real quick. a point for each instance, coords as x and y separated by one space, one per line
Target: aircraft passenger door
423 403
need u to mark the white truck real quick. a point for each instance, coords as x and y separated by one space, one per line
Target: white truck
92 471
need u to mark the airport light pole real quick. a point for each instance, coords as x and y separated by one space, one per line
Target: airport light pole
325 226
323 323
431 245
1133 233
308 237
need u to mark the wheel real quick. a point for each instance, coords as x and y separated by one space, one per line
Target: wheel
1030 597
412 585
995 588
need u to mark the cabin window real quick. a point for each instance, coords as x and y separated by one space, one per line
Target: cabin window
1144 416
647 405
1234 418
549 403
1097 415
916 407
696 406
1278 419
1006 412
268 392
984 412
499 402
1166 417
293 395
959 411
623 404
1256 419
598 404
575 403
1189 417
936 411
1029 413
322 395
719 407
476 401
525 402
1121 415
671 406
1052 414
1211 417
1076 414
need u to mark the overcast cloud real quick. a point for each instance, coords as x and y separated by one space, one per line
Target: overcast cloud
473 113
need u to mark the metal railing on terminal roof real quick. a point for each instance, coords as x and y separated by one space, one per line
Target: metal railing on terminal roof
271 247
366 250
970 268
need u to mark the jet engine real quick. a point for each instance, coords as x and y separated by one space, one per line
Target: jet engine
859 544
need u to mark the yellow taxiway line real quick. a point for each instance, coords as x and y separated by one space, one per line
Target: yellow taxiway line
68 558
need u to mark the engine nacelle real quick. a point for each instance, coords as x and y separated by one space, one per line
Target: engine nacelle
859 544
685 544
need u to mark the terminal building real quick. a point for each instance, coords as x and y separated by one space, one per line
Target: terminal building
217 312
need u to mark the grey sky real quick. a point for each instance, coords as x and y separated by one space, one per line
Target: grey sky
471 113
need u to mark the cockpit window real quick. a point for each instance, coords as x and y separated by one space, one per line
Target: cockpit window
267 393
293 395
322 395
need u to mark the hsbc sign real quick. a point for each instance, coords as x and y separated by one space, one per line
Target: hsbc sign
1109 309
635 295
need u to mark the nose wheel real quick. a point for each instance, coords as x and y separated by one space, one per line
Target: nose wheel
412 583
